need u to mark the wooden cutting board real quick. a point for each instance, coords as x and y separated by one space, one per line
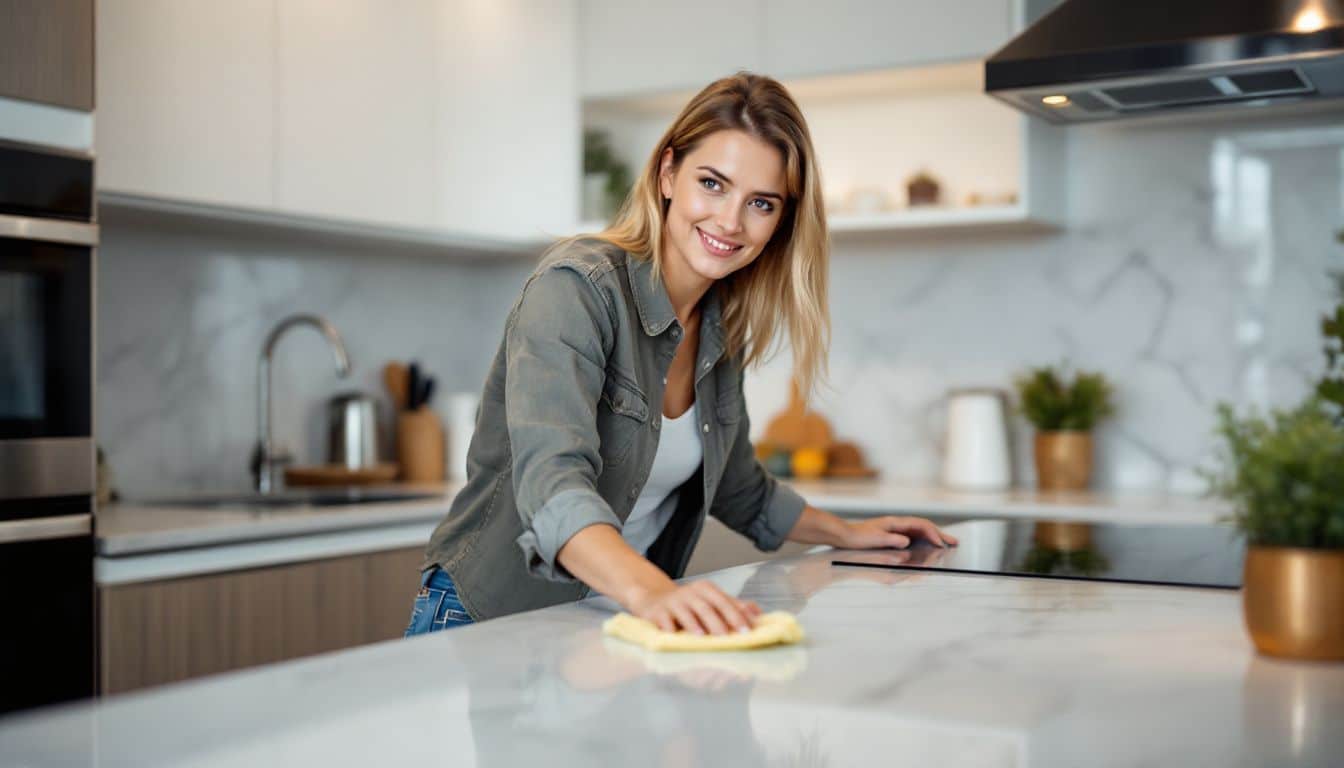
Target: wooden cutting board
795 427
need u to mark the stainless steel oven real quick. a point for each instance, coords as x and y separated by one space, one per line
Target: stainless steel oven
47 272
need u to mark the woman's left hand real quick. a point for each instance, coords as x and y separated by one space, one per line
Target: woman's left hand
893 531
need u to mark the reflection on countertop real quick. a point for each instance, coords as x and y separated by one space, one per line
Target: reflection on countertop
917 667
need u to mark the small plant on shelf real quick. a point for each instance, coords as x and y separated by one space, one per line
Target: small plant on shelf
606 179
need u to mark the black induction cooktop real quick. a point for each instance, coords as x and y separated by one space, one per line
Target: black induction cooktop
1176 555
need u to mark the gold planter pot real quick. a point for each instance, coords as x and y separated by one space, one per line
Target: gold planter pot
1293 601
1063 460
1065 537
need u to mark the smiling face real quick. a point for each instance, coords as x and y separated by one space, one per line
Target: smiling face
727 197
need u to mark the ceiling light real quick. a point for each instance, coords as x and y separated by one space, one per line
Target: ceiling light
1058 100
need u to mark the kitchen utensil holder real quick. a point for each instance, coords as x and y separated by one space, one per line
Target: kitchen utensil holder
420 446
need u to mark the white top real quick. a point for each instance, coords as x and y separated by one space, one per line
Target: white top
678 456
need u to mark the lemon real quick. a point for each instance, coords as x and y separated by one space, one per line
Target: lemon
809 462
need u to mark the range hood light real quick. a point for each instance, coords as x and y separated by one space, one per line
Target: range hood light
1058 100
1309 19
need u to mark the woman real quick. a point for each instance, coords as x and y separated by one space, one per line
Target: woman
612 418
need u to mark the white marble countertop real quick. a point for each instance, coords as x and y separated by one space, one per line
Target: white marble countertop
897 668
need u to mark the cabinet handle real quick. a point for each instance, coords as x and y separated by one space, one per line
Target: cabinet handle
45 528
52 230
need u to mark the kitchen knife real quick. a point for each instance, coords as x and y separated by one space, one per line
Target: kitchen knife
415 387
427 391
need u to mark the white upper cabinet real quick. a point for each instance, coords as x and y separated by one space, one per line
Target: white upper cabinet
453 121
508 157
355 109
185 99
641 46
805 38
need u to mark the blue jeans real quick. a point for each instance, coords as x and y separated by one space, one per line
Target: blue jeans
436 605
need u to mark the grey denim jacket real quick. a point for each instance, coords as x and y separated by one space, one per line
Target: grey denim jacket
567 430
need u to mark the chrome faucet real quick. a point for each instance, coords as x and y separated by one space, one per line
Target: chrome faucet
265 459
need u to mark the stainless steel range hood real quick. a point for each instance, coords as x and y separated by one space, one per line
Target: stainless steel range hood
1090 60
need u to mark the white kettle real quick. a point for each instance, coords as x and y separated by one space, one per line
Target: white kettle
977 455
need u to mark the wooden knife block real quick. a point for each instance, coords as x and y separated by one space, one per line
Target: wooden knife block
420 446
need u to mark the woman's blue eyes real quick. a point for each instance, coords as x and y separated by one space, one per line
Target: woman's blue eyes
713 185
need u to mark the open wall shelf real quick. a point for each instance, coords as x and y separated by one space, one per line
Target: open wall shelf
996 169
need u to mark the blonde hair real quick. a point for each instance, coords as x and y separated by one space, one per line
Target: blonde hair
788 282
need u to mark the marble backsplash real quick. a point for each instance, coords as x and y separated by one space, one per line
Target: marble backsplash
183 312
1194 271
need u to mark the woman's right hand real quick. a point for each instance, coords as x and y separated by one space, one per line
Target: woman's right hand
698 607
600 558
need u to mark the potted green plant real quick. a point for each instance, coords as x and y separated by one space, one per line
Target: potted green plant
1284 476
1064 415
1285 479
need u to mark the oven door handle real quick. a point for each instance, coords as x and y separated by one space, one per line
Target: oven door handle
50 230
38 528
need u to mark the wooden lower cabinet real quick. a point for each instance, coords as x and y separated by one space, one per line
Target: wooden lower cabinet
164 631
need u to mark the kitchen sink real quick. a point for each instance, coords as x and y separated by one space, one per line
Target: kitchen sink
307 497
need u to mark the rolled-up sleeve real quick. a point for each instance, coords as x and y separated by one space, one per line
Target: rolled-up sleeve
750 500
556 342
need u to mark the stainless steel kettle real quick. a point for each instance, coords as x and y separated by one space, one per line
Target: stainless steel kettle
354 439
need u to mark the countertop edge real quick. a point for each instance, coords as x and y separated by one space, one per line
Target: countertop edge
245 531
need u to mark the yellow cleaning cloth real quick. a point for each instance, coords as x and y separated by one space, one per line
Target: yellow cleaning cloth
775 628
775 665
